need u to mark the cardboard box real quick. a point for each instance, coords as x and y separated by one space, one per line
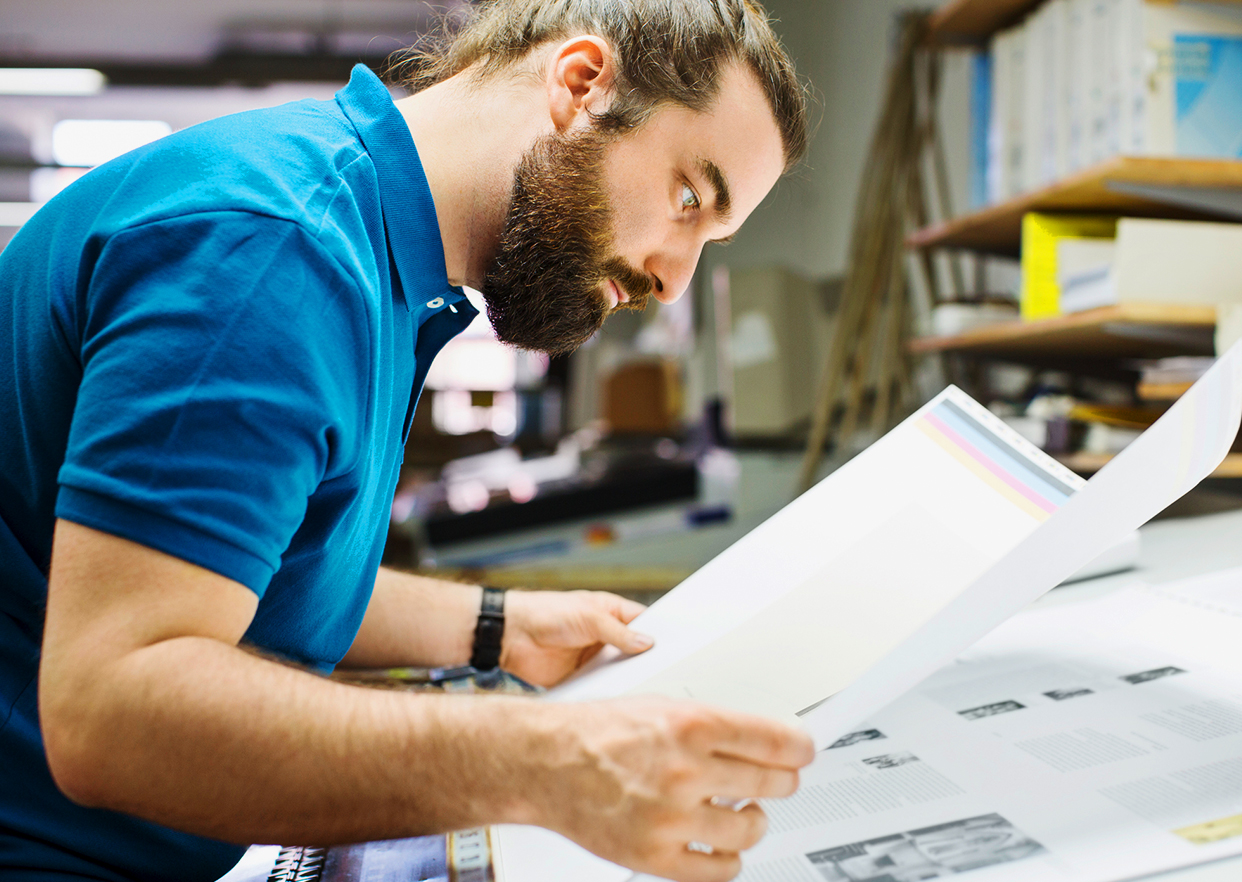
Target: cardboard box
770 348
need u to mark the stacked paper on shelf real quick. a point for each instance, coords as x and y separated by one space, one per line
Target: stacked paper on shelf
1084 268
889 568
1081 81
1167 379
1152 261
1181 369
1110 428
948 319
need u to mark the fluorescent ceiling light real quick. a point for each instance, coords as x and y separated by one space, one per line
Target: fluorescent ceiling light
45 183
92 142
14 214
50 81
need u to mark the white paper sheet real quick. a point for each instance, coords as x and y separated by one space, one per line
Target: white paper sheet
255 866
809 600
530 854
903 558
887 569
1085 743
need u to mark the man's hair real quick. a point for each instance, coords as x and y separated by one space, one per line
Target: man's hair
666 52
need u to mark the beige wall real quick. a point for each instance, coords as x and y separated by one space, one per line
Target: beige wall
843 48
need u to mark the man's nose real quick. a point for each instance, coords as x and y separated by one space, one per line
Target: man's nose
672 270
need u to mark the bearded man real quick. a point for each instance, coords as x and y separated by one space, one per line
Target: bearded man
213 348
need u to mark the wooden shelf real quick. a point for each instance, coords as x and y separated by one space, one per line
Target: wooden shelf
624 579
1090 463
1162 391
998 228
1133 330
971 22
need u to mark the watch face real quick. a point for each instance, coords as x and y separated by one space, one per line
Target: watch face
493 601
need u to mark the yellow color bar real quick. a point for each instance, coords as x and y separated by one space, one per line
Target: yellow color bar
987 477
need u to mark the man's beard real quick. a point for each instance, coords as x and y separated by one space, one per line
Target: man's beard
545 287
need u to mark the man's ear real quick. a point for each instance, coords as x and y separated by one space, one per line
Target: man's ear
581 75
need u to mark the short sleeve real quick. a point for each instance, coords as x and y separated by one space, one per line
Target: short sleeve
224 378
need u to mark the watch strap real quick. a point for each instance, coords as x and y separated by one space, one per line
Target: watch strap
489 631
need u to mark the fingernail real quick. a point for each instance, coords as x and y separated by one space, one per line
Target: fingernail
642 641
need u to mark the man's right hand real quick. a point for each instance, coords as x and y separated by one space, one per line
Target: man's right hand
637 780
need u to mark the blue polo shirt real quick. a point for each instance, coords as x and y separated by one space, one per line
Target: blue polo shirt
212 346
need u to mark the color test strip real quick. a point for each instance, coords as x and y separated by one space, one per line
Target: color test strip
1030 472
983 466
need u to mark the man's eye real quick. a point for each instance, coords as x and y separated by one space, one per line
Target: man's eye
689 199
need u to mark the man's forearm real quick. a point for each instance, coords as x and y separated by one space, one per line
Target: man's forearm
147 706
414 620
203 737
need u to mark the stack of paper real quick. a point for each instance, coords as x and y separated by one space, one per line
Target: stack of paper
1167 379
1152 261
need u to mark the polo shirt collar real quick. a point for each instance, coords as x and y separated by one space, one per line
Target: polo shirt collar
405 197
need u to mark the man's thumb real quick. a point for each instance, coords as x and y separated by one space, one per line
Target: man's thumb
610 630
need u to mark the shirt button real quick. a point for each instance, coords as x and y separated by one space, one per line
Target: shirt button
435 304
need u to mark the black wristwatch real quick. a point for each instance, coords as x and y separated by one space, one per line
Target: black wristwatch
489 631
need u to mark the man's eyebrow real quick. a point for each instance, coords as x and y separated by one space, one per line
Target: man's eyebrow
715 177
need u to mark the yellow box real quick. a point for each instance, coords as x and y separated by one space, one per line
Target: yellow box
1040 296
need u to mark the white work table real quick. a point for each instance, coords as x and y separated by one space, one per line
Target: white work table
1175 548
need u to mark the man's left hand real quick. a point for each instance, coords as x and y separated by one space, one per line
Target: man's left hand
550 634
